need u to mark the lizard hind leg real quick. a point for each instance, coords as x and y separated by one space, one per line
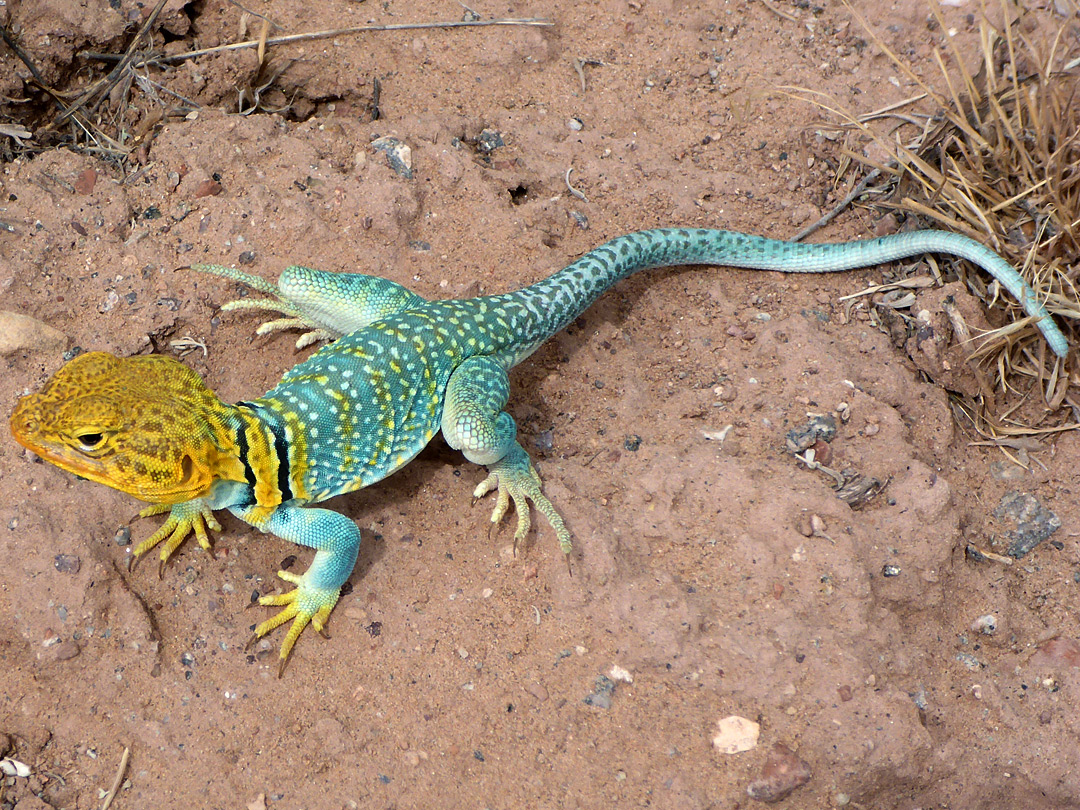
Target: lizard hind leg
328 305
475 423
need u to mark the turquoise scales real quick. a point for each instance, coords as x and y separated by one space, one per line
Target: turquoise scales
401 368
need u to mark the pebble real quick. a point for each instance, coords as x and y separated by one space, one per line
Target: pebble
85 182
536 690
1057 652
544 441
987 625
735 734
618 673
818 428
207 188
781 774
13 767
822 452
19 333
1034 522
489 140
66 650
398 155
600 697
67 563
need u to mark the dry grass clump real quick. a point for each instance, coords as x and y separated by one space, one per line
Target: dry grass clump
1000 161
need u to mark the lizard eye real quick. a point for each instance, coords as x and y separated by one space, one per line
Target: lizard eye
90 441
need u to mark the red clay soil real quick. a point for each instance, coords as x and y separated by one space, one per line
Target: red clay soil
458 674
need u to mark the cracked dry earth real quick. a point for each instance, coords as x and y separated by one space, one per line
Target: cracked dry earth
712 578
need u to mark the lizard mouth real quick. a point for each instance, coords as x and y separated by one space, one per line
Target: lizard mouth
26 427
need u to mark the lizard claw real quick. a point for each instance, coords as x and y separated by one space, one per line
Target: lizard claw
514 479
184 518
305 604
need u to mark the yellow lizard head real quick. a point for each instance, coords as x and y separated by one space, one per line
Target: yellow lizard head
148 426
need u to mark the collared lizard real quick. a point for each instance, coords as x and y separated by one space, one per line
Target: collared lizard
398 370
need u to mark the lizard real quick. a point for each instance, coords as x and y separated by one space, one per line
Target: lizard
396 370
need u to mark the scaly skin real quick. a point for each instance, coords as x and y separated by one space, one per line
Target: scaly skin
399 370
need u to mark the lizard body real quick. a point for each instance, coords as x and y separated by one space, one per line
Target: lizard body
398 370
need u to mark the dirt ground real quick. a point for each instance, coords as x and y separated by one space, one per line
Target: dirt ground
458 674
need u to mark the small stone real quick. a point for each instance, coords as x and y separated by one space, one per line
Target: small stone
122 536
987 625
782 773
1057 652
575 124
803 525
67 563
617 673
818 428
66 650
735 734
822 452
890 570
84 183
544 441
536 690
1034 522
398 155
20 333
13 767
600 697
1007 471
207 188
489 140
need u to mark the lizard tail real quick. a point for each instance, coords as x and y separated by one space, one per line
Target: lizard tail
556 301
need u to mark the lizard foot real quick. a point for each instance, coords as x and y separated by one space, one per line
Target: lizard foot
184 518
275 302
305 604
515 479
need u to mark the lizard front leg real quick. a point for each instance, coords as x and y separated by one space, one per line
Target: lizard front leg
474 422
196 516
336 541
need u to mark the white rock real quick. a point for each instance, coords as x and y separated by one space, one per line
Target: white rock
736 734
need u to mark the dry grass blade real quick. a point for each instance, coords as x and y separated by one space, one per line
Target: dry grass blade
340 32
1000 164
101 87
